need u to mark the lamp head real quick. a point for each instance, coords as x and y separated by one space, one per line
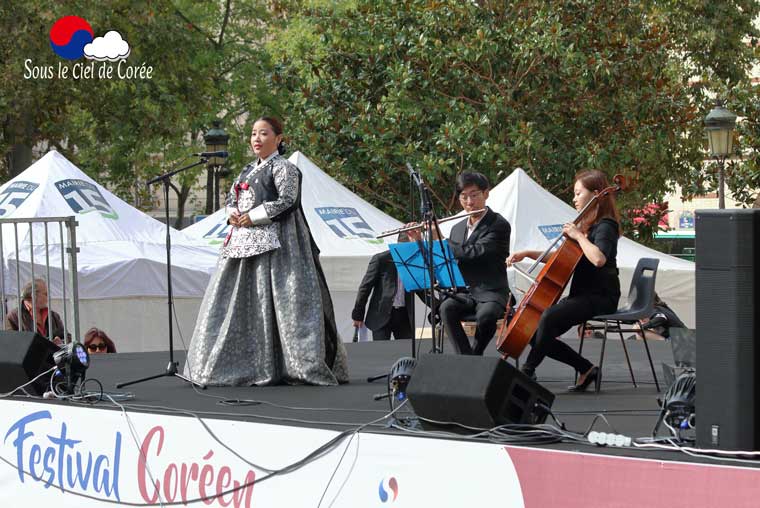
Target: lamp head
216 141
719 125
72 361
399 376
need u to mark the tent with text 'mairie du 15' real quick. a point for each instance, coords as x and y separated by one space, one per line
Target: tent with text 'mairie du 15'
121 260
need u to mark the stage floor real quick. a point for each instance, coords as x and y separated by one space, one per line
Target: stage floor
630 411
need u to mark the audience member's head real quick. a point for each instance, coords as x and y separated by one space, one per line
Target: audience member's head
40 295
96 341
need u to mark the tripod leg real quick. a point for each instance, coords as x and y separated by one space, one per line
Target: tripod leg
171 371
194 383
122 385
375 378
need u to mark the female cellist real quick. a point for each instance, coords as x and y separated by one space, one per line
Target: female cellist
595 288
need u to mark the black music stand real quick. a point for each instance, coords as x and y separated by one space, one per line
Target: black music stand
412 264
436 263
412 260
172 368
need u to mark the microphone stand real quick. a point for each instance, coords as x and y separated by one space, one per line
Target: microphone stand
428 218
430 221
172 368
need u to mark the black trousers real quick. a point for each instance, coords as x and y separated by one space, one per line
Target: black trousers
486 315
398 325
558 319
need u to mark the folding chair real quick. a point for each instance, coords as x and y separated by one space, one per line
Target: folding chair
640 306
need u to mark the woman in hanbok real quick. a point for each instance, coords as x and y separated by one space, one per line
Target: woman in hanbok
267 317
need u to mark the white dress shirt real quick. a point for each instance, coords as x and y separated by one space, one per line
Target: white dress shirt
471 227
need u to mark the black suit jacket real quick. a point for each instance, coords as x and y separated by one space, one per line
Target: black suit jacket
482 257
381 280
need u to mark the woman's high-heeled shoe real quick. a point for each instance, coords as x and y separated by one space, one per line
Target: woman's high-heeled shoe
591 375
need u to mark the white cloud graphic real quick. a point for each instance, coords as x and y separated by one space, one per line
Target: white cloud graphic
110 47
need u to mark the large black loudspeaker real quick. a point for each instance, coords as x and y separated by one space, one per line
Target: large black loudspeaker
24 356
475 391
728 329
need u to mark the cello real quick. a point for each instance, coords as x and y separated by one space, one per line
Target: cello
548 286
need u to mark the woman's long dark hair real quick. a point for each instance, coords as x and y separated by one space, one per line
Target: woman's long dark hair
596 181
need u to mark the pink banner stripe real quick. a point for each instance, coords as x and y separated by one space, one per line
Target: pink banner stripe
555 478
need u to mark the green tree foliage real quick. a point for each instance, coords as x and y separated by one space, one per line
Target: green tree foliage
26 105
743 170
207 63
550 86
719 43
365 86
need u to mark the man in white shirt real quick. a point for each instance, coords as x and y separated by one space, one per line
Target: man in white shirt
480 244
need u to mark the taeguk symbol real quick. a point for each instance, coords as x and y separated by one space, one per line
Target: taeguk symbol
392 486
69 35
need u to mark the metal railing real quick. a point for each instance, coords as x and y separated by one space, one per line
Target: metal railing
68 274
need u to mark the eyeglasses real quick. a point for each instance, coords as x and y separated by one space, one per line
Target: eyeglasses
102 346
472 196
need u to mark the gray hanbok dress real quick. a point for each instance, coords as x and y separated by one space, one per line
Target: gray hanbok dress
267 317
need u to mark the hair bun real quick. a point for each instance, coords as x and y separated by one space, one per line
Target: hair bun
281 148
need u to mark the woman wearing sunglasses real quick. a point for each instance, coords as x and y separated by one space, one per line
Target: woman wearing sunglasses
96 341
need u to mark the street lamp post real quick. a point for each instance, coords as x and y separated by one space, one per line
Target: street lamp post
720 124
216 141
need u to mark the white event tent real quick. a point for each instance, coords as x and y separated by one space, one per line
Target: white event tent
122 256
121 259
344 227
536 217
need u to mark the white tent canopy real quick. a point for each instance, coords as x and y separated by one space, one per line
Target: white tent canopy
122 250
342 223
344 227
121 260
536 217
122 257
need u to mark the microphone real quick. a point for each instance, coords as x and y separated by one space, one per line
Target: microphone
211 154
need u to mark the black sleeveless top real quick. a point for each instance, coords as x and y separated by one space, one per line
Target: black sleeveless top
604 281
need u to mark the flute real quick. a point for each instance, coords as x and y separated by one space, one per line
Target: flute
418 226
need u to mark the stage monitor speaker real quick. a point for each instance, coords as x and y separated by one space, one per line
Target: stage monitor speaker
24 356
475 391
728 329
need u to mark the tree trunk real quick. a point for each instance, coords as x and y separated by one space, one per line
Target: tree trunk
18 159
182 196
20 155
